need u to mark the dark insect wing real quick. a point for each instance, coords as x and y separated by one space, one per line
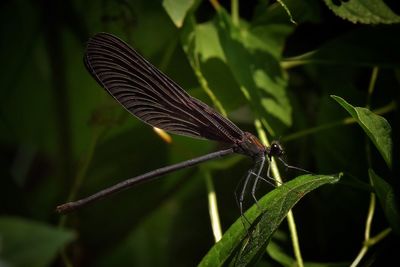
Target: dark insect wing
150 95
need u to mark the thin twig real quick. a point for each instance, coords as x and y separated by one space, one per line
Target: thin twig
346 121
372 201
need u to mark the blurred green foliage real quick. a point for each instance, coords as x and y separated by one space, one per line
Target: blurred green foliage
62 136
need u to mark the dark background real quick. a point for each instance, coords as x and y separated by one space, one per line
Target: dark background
61 133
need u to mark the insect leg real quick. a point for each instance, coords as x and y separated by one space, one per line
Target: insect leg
287 166
253 190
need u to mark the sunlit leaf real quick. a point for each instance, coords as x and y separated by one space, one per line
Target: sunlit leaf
203 49
177 10
255 65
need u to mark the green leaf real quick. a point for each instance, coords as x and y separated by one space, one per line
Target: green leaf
256 68
363 11
30 243
235 246
203 49
177 10
376 127
386 197
152 234
360 47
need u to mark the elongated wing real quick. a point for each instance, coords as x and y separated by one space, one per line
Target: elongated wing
150 95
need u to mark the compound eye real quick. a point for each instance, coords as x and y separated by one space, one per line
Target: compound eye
277 150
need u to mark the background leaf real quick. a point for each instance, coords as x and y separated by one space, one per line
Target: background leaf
256 68
387 198
364 11
29 243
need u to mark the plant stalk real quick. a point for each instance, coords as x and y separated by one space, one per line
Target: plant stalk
290 217
346 121
212 206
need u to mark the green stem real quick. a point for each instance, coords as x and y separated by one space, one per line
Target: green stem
215 4
287 11
166 59
376 239
290 217
360 255
371 242
212 206
81 173
372 200
349 120
371 86
204 84
370 216
56 55
212 200
295 238
235 12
